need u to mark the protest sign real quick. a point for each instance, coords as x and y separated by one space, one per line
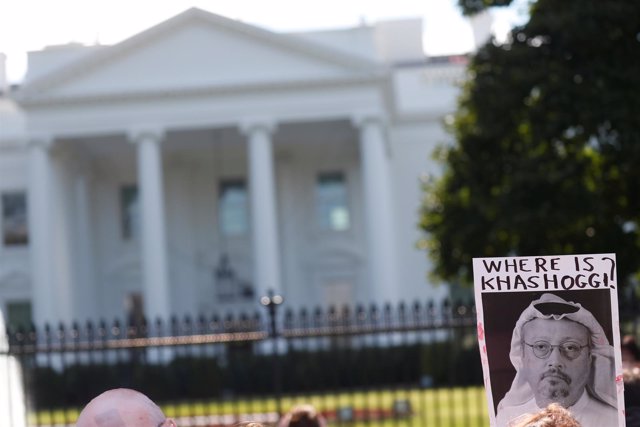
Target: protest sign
548 331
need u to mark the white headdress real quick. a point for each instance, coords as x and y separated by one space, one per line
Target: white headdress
601 384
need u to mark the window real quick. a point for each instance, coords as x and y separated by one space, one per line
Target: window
233 207
15 231
331 201
19 314
129 212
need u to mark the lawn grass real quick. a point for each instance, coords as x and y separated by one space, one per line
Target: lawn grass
443 407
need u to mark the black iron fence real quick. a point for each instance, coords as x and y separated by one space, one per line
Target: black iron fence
407 365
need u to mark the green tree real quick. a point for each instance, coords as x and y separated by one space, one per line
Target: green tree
546 157
471 7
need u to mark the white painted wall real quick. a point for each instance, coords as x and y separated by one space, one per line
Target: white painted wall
51 58
412 147
313 257
12 396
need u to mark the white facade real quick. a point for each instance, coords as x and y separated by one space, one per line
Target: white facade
196 102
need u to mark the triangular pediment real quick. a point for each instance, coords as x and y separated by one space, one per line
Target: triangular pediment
198 49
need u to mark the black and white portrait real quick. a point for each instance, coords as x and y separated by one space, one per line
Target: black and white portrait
544 346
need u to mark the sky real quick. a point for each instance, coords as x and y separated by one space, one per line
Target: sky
27 25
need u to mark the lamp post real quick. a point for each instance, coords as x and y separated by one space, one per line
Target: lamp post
271 302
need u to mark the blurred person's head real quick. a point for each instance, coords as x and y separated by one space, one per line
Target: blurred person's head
122 408
631 379
302 416
553 415
629 350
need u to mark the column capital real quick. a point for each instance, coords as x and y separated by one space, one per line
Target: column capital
372 125
42 140
362 118
140 133
249 126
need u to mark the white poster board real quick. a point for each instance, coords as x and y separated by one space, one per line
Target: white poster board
548 330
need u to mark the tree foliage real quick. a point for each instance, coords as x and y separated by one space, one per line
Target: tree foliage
471 7
546 158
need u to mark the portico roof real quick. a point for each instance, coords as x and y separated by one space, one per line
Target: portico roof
195 51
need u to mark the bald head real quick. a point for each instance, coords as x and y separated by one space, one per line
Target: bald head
122 408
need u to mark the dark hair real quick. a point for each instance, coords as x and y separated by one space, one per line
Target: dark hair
631 378
302 416
629 344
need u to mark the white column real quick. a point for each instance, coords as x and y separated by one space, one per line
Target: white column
266 248
155 270
12 395
61 224
85 291
378 212
39 210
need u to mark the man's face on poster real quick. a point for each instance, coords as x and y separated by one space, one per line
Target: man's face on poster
556 360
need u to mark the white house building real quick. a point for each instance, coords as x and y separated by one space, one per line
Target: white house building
204 161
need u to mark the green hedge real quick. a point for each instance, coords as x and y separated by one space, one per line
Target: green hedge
242 372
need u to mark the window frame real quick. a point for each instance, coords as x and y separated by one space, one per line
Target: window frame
230 182
12 192
18 303
131 236
319 224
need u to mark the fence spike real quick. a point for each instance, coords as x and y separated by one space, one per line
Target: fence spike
361 314
388 314
317 317
115 328
159 326
445 308
102 329
402 314
227 324
89 331
75 331
214 323
202 323
173 322
345 315
187 327
417 307
374 314
144 326
61 332
244 324
288 318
